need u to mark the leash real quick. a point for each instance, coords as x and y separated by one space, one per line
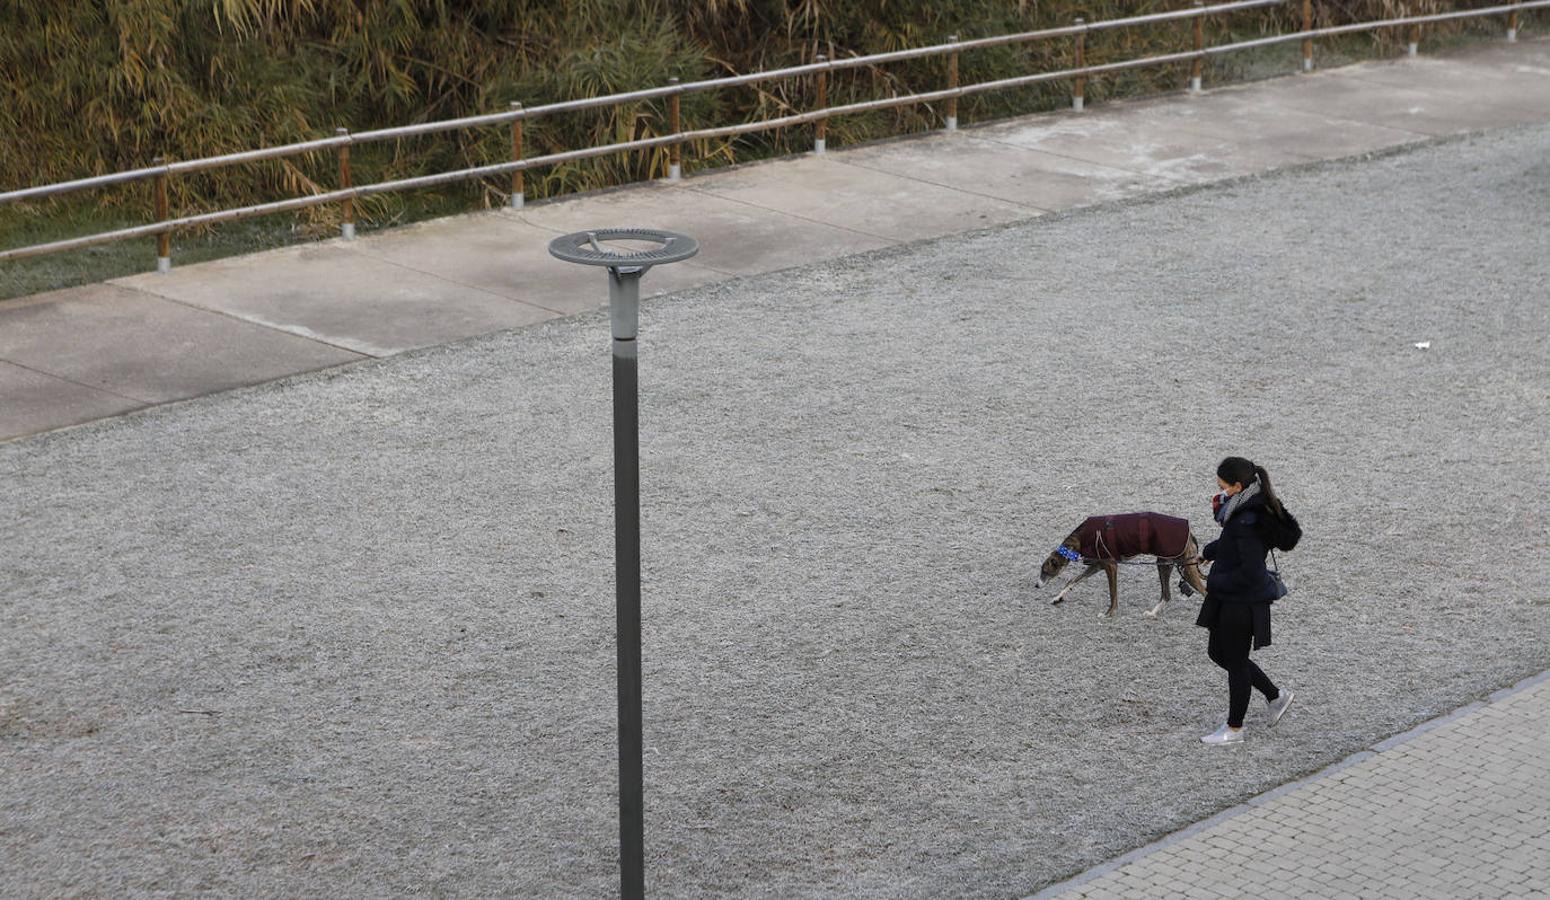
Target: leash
1137 562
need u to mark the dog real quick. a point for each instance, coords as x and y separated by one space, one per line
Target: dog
1102 542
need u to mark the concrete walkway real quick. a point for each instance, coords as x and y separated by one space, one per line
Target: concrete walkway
1460 807
75 355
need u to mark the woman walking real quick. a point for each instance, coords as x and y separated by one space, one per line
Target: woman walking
1239 589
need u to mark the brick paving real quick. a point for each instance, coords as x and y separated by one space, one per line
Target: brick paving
1460 808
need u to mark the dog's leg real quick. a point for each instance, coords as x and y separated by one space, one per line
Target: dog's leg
1071 584
1191 570
1192 575
1112 569
1164 572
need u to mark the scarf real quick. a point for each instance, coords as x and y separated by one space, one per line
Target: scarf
1235 501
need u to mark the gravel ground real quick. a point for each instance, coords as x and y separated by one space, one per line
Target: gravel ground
352 633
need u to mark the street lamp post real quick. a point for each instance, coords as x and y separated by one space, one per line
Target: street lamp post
625 268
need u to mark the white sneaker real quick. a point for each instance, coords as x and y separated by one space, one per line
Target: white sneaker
1279 704
1224 735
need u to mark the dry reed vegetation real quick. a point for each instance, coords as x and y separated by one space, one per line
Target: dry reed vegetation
97 86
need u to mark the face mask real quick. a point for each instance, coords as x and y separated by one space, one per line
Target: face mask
1217 500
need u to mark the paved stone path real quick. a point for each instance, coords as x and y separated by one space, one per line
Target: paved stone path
1458 808
84 353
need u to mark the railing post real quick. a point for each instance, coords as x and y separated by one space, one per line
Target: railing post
163 239
822 127
518 183
1512 25
1200 46
674 122
1307 43
1415 40
1077 98
347 223
952 84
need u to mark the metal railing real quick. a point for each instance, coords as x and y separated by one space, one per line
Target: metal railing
347 192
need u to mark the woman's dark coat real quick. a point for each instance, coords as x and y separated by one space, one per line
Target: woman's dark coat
1238 572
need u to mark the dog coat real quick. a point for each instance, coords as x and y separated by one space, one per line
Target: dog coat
1133 534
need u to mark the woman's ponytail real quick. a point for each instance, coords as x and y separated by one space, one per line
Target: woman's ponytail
1272 502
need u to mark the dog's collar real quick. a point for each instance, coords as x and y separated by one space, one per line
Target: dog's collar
1068 553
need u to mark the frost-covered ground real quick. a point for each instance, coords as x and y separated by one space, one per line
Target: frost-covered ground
353 633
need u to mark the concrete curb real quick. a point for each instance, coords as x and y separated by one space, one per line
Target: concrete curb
1383 746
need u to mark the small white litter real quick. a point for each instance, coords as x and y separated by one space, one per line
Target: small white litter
1423 345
